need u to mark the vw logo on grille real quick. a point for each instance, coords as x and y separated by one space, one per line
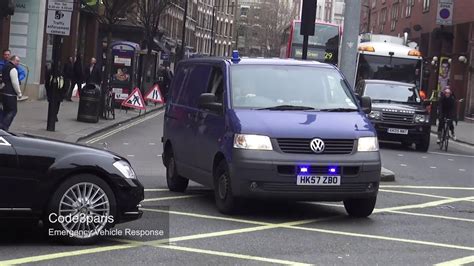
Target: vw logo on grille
317 145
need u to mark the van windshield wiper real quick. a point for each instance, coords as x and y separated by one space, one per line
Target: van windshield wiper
339 110
287 107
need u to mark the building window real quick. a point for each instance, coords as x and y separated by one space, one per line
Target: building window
426 5
409 7
394 16
383 15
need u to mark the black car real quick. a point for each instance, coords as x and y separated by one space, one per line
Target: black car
77 191
398 112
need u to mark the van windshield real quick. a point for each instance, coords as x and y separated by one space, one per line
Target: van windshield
289 88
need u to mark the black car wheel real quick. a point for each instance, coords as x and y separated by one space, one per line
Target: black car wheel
360 207
176 183
80 208
424 144
225 201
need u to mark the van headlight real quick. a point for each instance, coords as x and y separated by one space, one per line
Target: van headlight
368 144
252 142
125 169
422 118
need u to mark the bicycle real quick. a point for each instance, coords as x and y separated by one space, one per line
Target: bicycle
109 104
443 144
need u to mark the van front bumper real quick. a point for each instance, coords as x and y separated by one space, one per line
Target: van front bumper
272 174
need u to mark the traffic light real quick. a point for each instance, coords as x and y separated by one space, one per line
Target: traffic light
7 8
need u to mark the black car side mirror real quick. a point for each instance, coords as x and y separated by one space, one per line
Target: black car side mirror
208 101
366 104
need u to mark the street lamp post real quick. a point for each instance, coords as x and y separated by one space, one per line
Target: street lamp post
183 37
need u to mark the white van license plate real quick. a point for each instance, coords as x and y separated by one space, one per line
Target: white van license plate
400 131
318 180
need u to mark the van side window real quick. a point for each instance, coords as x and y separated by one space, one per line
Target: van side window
216 86
178 82
195 85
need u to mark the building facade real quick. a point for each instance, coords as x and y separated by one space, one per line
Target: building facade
439 44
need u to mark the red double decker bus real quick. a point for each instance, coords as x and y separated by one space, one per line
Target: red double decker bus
323 46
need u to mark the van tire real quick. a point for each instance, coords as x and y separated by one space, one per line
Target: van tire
176 183
360 207
225 201
424 144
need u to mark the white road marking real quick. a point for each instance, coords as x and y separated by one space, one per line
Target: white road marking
462 170
424 205
172 198
156 189
232 255
159 155
152 144
125 143
451 154
434 216
456 262
427 187
451 160
400 155
414 194
122 128
402 164
424 157
433 167
130 155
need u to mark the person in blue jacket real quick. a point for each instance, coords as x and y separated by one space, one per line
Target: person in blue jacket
6 59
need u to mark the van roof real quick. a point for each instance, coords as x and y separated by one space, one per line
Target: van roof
258 61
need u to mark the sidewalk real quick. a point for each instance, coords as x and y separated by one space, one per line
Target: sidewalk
32 118
464 132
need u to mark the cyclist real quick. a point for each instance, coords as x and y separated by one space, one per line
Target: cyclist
446 110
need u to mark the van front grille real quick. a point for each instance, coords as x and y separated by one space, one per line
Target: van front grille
302 146
392 117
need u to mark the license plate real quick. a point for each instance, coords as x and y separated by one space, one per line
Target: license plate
121 96
318 180
400 131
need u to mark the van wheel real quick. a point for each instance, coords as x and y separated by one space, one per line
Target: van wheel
360 207
87 197
176 183
225 201
424 144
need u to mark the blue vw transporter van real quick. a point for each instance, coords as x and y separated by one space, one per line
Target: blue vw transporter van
270 128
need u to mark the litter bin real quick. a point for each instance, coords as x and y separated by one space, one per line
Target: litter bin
89 104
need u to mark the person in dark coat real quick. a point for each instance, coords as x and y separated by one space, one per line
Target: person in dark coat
93 73
78 73
446 110
68 73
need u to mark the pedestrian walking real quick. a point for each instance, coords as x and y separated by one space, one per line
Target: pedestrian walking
5 59
78 74
68 73
10 92
93 73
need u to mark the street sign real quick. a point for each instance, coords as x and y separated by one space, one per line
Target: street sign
62 5
445 13
135 100
154 95
58 22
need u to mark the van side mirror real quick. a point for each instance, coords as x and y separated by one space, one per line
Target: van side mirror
366 104
208 101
